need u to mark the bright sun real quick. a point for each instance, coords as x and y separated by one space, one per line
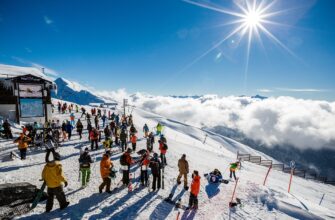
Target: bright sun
252 19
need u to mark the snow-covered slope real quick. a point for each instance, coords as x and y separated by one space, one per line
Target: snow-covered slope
259 202
74 92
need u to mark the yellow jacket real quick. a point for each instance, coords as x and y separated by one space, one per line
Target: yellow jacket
53 174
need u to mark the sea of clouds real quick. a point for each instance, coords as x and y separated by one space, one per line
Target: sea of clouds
304 124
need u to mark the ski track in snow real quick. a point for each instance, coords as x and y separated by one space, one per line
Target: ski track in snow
258 202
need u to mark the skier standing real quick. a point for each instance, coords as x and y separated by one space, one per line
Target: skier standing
69 128
125 161
107 132
183 171
159 129
195 188
72 119
96 121
53 176
94 137
133 140
146 130
85 161
104 118
156 167
163 149
105 169
80 127
7 130
150 141
22 141
64 130
89 129
233 167
144 168
123 139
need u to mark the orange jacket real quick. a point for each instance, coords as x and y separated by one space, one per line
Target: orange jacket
105 166
195 186
161 148
133 139
22 142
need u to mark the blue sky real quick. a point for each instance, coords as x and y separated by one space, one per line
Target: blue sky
148 46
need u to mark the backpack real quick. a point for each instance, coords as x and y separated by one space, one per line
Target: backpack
123 160
165 147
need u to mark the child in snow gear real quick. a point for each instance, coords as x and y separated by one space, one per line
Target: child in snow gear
53 175
85 161
159 129
233 167
133 140
72 119
144 162
163 149
156 166
146 130
183 170
105 169
123 139
94 136
22 142
79 127
125 161
195 188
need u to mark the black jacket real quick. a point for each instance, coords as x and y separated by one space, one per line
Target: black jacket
85 160
156 166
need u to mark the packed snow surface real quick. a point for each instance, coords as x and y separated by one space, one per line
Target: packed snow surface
258 202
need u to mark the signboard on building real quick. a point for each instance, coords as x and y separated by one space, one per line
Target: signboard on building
30 107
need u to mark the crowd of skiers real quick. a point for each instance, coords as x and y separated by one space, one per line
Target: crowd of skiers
118 132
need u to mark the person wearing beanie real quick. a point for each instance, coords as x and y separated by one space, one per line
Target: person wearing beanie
85 161
195 188
53 176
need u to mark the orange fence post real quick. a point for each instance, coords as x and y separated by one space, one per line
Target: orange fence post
267 174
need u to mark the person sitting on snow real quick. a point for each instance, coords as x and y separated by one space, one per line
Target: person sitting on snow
215 176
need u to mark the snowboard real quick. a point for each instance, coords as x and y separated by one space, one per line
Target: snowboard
38 196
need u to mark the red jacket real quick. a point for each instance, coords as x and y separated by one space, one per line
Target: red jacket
94 135
161 147
195 186
133 139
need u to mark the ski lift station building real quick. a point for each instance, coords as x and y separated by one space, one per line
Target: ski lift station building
25 94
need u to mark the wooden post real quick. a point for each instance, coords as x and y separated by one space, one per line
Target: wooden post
267 174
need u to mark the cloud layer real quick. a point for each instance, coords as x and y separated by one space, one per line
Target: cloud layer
304 124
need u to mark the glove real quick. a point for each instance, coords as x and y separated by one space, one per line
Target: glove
65 184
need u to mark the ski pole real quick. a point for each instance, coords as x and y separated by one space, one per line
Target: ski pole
232 197
178 215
